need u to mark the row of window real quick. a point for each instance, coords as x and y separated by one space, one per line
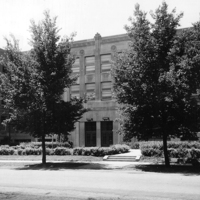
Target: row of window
106 92
90 68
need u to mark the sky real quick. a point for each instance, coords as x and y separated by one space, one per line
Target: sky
85 17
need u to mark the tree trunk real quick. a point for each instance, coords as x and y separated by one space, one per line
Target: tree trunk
167 163
43 149
43 140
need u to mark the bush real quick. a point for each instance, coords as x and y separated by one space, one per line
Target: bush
21 151
48 144
50 151
6 151
182 150
62 151
101 151
135 145
31 149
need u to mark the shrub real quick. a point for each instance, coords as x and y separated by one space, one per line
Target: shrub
6 151
30 149
134 145
149 151
21 151
62 151
47 144
101 151
50 151
182 150
77 151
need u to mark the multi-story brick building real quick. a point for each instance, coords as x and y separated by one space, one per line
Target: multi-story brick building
93 65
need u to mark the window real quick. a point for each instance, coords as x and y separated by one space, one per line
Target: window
105 59
105 67
90 60
90 69
106 91
106 76
90 91
75 91
76 69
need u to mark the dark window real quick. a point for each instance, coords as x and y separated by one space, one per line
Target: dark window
90 134
106 133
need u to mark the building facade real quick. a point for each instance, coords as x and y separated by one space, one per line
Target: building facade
93 65
97 127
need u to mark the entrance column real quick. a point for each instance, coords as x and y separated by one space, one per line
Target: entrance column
98 124
116 136
77 134
82 134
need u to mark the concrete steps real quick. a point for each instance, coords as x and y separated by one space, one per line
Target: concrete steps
131 156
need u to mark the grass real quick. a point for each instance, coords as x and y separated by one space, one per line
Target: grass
63 159
88 162
181 169
51 158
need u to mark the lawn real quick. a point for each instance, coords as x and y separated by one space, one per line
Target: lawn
50 158
9 161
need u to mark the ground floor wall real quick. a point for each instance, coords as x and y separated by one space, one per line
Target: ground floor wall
97 127
98 124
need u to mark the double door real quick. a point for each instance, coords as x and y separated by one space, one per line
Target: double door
106 134
90 134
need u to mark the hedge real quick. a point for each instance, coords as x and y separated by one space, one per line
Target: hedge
176 149
86 151
47 144
159 144
101 151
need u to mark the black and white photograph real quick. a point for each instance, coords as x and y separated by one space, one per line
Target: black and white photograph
100 100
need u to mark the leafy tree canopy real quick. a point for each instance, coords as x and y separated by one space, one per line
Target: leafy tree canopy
156 77
34 82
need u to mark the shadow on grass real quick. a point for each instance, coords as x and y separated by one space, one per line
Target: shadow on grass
64 165
179 169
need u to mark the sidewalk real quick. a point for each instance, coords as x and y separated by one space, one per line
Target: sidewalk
104 163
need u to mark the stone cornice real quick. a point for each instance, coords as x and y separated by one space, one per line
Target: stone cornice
108 39
115 38
83 43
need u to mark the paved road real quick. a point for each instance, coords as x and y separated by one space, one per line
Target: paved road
100 184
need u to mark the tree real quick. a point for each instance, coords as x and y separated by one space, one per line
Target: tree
35 81
151 81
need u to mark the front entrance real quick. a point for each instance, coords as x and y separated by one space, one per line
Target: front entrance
106 133
90 134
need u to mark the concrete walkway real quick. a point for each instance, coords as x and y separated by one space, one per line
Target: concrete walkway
132 152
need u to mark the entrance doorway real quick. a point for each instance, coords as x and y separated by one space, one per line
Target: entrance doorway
106 133
90 134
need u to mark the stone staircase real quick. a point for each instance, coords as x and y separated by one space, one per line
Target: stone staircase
131 156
